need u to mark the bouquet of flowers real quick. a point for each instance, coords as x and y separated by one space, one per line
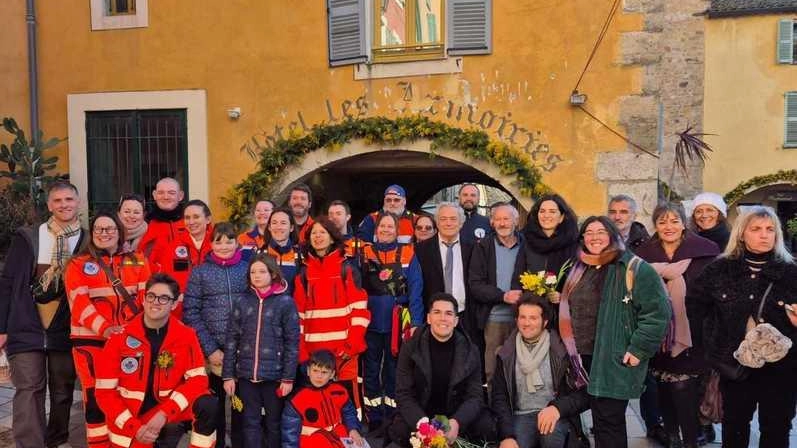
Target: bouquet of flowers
540 283
432 434
544 283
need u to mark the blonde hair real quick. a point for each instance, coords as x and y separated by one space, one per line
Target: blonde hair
736 246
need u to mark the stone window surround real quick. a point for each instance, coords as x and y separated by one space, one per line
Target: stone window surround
101 21
195 103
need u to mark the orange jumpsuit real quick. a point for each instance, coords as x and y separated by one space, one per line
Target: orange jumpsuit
123 373
96 307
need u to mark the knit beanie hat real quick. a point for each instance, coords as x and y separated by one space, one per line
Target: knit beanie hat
706 198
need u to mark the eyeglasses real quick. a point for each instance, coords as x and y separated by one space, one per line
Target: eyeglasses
160 300
393 200
107 230
595 234
424 228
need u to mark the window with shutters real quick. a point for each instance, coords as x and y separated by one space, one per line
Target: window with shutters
787 42
128 151
376 31
408 30
790 139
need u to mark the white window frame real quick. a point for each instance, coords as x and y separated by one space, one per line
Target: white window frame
100 20
195 103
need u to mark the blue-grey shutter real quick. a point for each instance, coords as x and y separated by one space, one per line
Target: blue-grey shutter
786 42
790 139
470 27
346 19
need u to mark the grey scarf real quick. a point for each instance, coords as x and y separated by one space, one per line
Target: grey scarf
530 365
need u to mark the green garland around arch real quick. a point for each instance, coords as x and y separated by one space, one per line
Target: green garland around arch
475 144
782 176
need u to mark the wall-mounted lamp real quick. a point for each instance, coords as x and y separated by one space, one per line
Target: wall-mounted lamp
234 113
577 99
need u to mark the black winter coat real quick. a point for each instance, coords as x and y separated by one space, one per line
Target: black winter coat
730 292
637 236
482 281
414 379
702 251
569 401
19 318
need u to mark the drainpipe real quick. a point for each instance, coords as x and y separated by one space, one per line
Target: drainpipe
33 71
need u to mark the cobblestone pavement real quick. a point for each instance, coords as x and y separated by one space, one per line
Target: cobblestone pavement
77 436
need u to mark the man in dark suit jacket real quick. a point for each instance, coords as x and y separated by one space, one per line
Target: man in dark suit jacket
433 252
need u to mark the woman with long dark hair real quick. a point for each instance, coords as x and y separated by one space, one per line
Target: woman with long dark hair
131 214
551 237
609 331
332 306
106 287
679 256
281 243
753 283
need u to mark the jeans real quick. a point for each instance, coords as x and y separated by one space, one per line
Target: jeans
528 436
257 396
216 385
495 333
31 373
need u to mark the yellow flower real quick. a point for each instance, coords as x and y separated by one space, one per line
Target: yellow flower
439 442
165 360
533 282
236 403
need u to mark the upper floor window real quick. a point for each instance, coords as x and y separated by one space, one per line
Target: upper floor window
787 42
119 14
121 7
407 30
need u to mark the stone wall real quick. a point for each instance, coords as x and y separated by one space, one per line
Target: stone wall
670 50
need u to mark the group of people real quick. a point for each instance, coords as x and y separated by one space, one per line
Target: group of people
313 326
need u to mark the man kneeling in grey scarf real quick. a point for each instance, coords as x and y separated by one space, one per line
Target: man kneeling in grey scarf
532 392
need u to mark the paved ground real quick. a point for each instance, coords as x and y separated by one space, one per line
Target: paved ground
636 432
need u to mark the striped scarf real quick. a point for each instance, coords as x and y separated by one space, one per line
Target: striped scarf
60 252
580 375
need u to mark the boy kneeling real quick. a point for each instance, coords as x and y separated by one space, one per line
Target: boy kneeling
322 413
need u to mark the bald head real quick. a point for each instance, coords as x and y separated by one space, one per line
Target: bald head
167 194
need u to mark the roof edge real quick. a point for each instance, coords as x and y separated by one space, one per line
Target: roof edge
751 12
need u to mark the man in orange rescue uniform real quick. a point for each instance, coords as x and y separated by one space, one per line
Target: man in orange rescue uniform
151 377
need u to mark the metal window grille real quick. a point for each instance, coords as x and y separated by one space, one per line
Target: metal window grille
129 151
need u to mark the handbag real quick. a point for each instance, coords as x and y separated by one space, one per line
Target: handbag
763 342
711 405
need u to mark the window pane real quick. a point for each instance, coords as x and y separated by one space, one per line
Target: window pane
427 21
393 18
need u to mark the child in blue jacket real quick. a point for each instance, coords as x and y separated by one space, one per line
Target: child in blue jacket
262 349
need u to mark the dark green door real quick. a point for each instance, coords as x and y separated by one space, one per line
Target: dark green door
130 150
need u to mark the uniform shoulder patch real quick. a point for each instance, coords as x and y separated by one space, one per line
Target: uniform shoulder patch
91 268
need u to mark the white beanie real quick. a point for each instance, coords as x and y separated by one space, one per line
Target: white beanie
707 198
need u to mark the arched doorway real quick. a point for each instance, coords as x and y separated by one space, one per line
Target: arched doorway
358 173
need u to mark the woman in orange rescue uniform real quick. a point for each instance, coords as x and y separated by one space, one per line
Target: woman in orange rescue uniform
101 308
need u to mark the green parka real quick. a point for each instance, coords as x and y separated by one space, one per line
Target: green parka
637 326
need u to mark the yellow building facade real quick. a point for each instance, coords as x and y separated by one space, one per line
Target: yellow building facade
751 106
247 74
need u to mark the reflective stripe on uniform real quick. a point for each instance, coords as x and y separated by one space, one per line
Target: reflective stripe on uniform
309 430
131 394
106 383
202 441
122 418
198 371
326 337
180 399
